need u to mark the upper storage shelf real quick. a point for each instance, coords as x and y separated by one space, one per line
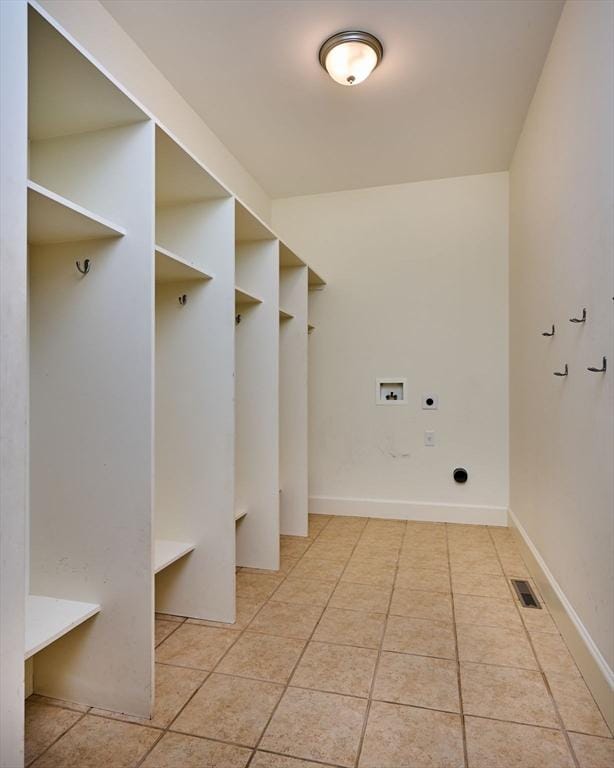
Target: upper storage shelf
67 93
248 227
171 268
180 178
54 219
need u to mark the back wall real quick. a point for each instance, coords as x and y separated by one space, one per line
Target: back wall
417 288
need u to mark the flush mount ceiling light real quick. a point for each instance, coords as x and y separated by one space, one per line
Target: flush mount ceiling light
350 57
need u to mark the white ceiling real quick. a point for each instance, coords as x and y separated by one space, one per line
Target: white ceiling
449 98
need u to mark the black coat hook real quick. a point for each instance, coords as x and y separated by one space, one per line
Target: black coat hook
562 373
85 268
579 319
549 333
604 366
183 299
237 319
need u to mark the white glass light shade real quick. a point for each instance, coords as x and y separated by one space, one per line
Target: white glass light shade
350 57
351 63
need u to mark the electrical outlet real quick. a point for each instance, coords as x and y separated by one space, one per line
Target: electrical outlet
430 402
429 438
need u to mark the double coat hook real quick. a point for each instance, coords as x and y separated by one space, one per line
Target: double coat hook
579 319
549 333
85 268
563 373
183 299
604 366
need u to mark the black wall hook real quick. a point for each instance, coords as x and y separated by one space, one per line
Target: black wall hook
237 319
603 369
579 319
85 268
563 373
183 299
549 333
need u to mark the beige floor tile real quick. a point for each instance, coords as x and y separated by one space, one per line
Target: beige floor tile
538 620
230 708
294 546
339 552
432 560
407 737
504 693
317 523
44 724
480 584
475 562
492 744
286 564
303 592
163 629
265 657
418 680
418 604
96 741
576 705
486 611
514 566
422 578
420 636
174 750
257 586
361 597
318 570
37 698
367 550
592 751
170 617
388 559
316 726
246 610
268 760
372 572
195 646
174 686
350 628
494 645
553 655
287 620
336 668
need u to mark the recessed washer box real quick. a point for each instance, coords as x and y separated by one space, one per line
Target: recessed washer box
391 391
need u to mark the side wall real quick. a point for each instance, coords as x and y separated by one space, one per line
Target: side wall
561 260
417 289
97 31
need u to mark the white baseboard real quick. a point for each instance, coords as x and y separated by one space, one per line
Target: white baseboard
597 673
408 510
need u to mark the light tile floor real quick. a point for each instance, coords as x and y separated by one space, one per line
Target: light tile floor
379 644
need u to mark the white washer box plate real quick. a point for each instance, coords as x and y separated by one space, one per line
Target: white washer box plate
391 390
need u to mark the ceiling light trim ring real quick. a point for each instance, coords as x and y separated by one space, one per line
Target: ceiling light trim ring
351 36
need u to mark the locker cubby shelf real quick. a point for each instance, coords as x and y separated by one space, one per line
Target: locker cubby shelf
283 315
239 514
310 327
171 268
49 618
315 281
55 219
244 297
167 552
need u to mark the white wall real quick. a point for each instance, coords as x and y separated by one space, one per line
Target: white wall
417 288
561 258
97 31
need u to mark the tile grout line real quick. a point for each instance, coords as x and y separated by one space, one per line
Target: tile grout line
562 727
307 641
218 662
458 667
363 732
55 741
